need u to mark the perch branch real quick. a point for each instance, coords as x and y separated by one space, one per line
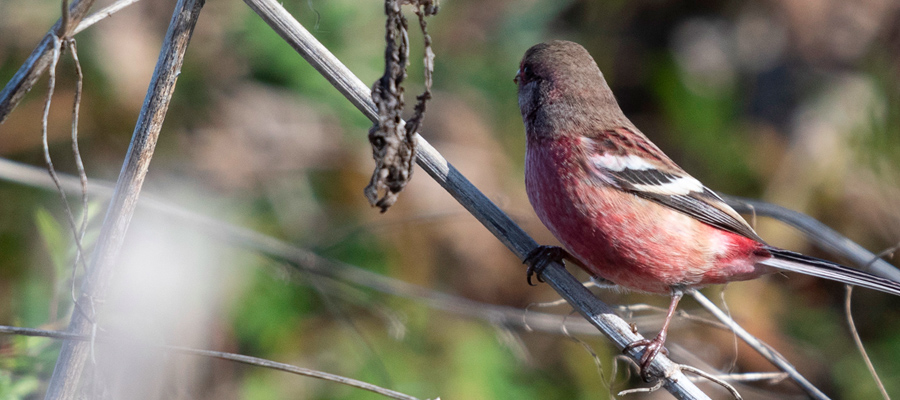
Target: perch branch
599 314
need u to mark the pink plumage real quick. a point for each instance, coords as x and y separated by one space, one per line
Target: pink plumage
631 241
621 208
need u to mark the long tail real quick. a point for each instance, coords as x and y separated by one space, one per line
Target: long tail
796 262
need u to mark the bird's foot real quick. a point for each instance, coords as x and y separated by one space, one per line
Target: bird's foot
652 347
538 259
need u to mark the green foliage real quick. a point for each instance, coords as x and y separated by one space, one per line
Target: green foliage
700 122
272 61
55 238
17 388
26 362
878 142
271 313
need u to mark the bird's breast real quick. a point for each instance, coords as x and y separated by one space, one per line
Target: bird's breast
634 242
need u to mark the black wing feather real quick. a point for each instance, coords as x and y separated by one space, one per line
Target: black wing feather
705 206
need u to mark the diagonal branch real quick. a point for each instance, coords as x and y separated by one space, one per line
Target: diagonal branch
104 13
40 58
70 364
762 348
596 312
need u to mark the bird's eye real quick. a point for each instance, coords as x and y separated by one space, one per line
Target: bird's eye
525 75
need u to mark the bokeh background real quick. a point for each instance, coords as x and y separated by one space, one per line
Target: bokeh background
795 102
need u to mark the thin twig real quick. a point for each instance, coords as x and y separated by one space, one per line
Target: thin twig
30 71
855 334
734 338
51 85
587 347
64 20
763 349
628 309
249 360
66 376
714 379
79 164
40 57
102 14
769 377
848 293
260 362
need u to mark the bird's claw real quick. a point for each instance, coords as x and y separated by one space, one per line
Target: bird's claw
652 347
538 259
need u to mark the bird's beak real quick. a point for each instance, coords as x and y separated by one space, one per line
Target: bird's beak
516 78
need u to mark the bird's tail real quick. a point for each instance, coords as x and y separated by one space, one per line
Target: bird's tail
796 262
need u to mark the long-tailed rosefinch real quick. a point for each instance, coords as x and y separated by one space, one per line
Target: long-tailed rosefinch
623 210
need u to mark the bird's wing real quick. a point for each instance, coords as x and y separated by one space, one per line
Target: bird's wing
631 163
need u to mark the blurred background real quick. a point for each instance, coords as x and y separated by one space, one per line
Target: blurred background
793 102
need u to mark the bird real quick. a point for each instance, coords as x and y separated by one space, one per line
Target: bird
623 210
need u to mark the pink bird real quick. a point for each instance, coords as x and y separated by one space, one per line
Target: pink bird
624 211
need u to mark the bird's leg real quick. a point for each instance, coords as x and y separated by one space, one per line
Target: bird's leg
654 346
538 259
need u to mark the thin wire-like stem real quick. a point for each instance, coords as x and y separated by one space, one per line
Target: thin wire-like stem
79 164
714 379
848 294
249 360
51 85
734 341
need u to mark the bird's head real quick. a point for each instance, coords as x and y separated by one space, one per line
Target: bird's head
559 85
